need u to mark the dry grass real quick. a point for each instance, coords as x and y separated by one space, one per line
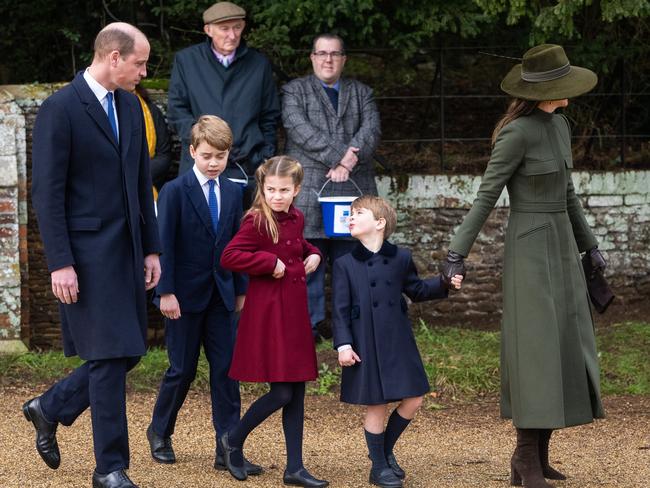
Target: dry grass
461 446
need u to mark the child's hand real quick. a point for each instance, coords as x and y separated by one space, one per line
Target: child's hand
239 302
169 306
348 358
311 262
278 272
456 281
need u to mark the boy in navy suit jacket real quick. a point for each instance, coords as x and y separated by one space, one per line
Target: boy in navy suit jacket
198 213
373 334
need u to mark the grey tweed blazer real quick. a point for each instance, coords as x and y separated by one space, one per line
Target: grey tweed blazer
318 137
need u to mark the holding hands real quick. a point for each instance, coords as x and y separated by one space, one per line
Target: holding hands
348 357
452 268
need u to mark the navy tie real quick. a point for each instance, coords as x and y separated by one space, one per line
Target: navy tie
213 205
333 95
111 115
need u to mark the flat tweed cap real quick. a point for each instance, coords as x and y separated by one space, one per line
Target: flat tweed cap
546 74
222 11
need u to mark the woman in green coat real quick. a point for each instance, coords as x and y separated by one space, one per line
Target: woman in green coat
549 364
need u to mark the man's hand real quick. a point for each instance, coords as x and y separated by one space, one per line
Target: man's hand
338 174
239 302
311 262
278 272
350 158
65 285
348 357
151 271
169 306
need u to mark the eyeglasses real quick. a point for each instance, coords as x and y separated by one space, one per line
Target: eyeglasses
326 54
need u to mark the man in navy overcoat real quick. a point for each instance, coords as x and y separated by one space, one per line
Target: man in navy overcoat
92 195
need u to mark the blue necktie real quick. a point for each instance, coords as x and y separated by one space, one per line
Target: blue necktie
213 205
333 95
111 115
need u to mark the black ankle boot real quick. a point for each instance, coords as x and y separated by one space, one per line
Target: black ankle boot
525 467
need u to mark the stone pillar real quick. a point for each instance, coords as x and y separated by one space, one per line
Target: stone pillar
13 222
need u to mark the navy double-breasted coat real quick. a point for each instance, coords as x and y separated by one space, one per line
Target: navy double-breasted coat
93 201
370 313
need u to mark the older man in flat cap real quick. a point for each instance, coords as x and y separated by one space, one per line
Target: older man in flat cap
223 76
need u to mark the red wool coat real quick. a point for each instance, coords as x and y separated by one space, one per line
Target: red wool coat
274 340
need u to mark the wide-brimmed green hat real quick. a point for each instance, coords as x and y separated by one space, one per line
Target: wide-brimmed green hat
546 74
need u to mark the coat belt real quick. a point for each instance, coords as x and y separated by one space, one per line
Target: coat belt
538 207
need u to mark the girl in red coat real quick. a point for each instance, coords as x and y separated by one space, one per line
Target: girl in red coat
274 340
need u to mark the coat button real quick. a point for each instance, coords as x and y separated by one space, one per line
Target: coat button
302 278
288 243
295 280
373 283
375 304
290 261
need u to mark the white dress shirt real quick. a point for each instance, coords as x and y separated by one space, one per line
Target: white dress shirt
203 181
101 92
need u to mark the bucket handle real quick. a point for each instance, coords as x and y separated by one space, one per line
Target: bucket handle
330 179
243 172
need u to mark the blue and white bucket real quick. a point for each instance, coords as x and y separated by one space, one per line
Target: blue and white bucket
243 182
336 212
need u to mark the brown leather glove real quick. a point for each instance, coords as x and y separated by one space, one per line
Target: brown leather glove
453 265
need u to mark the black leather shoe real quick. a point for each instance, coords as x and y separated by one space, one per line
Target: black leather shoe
251 469
46 444
302 478
238 472
384 478
397 469
161 447
116 479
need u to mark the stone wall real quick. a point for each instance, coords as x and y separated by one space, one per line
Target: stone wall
13 225
430 207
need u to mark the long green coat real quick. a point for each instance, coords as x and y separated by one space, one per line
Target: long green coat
549 364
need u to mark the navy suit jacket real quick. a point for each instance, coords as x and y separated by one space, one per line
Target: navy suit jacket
94 205
191 250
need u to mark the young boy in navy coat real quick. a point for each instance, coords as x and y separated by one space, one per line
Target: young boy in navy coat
373 334
198 213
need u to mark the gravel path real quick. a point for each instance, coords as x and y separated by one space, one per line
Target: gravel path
461 446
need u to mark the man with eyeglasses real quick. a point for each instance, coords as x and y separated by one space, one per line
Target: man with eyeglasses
222 76
332 126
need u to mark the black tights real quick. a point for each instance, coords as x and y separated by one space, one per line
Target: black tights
290 397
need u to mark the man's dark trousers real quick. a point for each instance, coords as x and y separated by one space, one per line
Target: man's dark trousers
331 249
100 384
215 328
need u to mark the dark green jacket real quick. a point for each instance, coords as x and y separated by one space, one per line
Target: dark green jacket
549 363
243 94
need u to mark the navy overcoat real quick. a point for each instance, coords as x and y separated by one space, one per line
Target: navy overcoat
370 313
94 206
191 249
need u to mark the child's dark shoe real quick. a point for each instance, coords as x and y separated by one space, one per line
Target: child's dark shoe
385 478
397 469
237 472
302 477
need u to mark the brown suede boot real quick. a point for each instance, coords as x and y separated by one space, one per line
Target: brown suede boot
525 467
549 472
